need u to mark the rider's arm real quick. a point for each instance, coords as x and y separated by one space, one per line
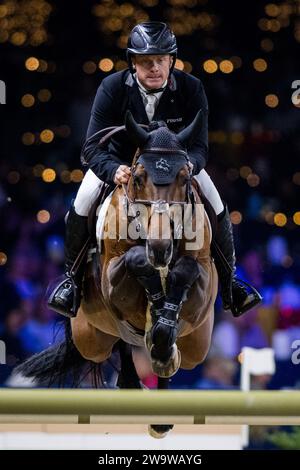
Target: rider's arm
99 159
198 152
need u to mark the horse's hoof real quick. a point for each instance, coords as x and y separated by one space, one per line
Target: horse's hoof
168 369
159 431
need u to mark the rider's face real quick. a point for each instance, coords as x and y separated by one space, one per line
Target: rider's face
152 70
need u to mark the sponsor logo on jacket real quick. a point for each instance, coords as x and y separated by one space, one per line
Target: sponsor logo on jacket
173 120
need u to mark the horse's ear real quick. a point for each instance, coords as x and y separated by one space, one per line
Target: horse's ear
188 135
136 133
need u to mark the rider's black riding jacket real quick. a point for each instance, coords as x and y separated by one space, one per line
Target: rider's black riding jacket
179 103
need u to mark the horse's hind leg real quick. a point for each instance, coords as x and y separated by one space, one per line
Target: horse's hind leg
160 430
128 377
93 344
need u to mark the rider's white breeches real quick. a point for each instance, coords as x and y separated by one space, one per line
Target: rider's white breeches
87 194
90 189
210 191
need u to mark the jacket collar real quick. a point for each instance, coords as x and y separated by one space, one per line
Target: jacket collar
136 100
172 85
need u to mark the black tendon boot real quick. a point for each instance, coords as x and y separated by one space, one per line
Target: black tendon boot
65 294
179 281
235 295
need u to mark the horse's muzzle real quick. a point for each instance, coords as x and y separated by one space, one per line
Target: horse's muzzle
159 252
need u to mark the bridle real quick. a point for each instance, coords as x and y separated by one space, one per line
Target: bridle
158 206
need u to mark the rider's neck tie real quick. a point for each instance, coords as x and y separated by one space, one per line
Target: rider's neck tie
150 99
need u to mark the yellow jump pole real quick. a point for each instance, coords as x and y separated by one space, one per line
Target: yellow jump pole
149 402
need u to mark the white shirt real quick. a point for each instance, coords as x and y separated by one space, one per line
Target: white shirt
150 100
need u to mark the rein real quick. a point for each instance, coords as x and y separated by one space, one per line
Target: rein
110 131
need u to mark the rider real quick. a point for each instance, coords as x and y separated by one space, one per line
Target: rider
153 91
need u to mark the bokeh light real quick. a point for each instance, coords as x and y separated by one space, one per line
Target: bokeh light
245 171
296 218
280 219
106 65
47 136
44 95
65 177
3 258
28 138
210 66
43 216
272 100
272 10
76 176
226 66
260 65
18 38
236 217
27 100
253 180
179 64
89 67
32 64
48 175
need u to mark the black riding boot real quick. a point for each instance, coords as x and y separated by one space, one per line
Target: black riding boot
65 295
234 294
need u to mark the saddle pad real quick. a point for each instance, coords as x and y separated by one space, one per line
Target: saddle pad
101 213
209 226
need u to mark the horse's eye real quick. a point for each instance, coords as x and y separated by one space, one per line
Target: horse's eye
183 178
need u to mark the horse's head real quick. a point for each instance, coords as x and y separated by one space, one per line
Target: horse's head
161 178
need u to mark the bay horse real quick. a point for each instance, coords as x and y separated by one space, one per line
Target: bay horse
171 314
157 284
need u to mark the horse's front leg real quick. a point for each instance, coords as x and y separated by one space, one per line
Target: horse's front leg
138 266
164 332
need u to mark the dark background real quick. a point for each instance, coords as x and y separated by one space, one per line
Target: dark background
254 151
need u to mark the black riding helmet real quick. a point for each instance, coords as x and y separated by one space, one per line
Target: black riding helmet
151 38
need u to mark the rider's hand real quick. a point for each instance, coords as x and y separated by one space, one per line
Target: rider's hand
122 174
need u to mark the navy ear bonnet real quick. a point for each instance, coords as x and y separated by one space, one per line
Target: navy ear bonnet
163 156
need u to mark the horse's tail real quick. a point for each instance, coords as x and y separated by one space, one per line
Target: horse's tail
60 365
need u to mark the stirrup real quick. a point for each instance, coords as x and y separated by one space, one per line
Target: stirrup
253 299
51 294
